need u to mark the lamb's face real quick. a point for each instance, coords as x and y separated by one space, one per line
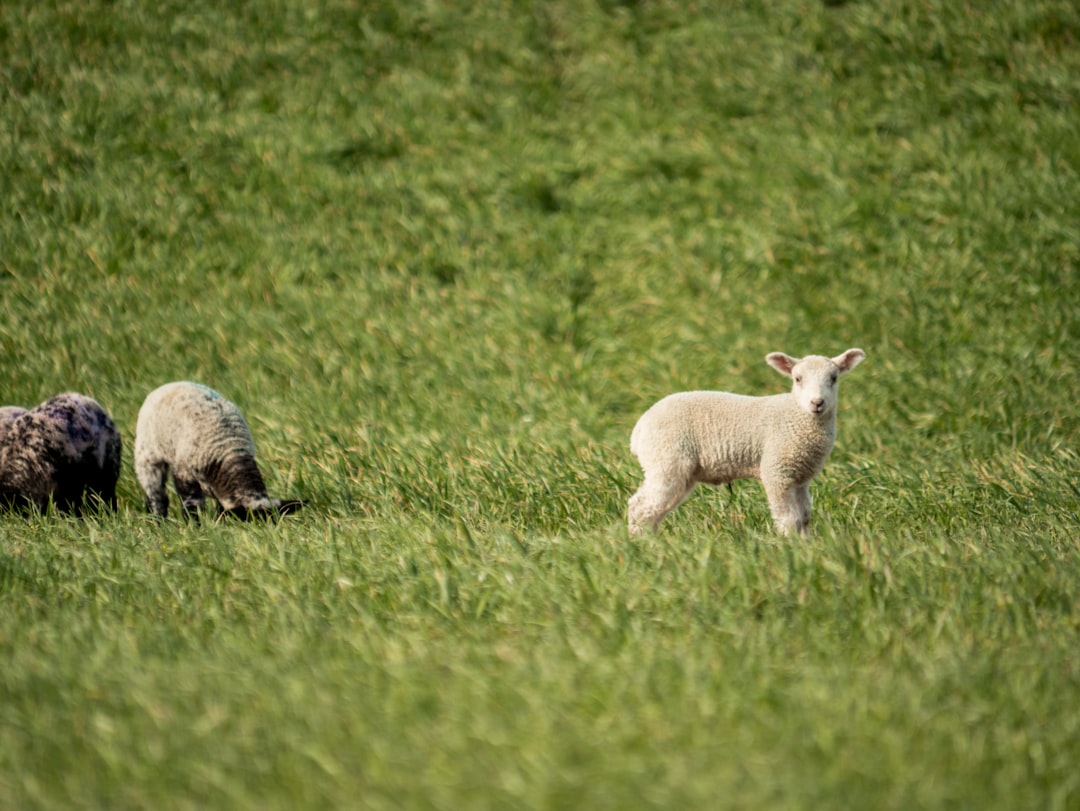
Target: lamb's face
815 384
815 377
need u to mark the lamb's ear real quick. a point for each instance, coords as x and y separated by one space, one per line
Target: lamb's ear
781 362
849 360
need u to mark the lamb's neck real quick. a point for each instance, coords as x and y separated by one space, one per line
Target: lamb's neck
825 424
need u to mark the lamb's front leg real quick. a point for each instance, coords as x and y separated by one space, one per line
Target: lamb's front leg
785 502
152 475
802 493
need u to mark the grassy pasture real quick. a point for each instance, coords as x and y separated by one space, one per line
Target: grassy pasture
443 255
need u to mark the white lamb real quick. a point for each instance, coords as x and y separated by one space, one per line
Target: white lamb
714 437
65 451
204 439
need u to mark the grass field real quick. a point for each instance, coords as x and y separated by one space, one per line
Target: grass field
444 255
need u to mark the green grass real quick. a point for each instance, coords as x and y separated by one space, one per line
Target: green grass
443 258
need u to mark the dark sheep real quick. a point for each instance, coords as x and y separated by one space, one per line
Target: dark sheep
65 451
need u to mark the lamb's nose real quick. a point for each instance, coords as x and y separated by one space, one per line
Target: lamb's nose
817 403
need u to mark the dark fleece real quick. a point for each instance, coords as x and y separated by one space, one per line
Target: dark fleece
63 450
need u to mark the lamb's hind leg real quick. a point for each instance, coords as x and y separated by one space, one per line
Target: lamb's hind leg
654 500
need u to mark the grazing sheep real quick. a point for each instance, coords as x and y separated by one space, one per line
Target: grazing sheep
714 437
63 450
204 439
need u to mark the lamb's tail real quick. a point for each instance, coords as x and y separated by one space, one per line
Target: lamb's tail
635 440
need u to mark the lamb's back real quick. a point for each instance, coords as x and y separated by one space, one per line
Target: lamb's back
719 435
192 423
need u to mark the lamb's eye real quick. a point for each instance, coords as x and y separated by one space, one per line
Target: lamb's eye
832 380
798 378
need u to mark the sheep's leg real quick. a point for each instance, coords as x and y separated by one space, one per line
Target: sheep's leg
68 499
785 506
65 486
104 493
654 500
152 477
192 497
101 487
108 473
803 501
